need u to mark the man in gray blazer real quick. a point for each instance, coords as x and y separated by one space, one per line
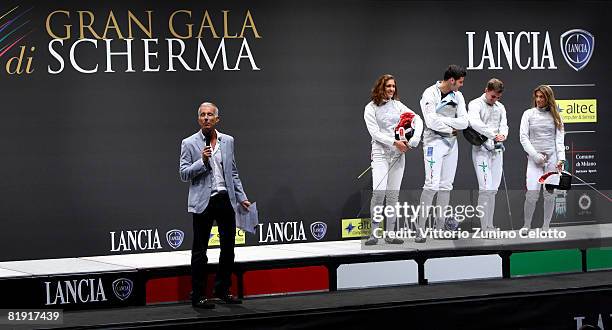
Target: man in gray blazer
215 192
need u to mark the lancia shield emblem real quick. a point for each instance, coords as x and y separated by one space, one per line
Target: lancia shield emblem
318 230
175 238
122 288
577 48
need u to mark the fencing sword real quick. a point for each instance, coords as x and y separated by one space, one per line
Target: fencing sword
500 150
364 172
546 175
395 159
507 199
590 186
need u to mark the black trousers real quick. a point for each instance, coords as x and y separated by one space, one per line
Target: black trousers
219 209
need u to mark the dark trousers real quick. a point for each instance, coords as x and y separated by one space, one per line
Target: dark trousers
219 209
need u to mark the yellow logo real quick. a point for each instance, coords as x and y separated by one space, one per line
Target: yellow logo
357 228
578 111
214 237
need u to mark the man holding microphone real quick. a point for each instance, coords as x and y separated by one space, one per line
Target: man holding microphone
215 192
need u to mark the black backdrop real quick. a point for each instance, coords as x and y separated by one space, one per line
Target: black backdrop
84 155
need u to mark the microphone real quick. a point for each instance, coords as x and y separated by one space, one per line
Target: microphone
208 137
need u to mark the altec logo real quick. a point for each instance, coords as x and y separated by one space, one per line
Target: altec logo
357 228
527 50
578 111
215 238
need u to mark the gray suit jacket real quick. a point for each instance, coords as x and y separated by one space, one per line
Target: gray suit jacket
192 169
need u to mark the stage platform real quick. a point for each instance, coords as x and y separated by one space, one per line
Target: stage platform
543 302
153 278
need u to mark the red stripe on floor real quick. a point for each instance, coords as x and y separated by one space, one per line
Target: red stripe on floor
178 288
286 280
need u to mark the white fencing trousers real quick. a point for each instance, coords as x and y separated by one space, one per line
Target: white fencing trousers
440 161
387 174
488 166
534 172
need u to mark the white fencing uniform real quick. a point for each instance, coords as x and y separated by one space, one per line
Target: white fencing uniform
387 161
488 120
538 136
440 149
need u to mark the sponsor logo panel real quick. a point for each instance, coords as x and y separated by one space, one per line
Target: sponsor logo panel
578 111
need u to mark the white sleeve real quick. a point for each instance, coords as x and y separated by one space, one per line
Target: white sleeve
418 126
461 122
475 120
503 125
524 136
432 119
370 120
559 142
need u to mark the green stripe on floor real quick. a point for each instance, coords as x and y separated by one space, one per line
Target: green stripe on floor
599 258
544 262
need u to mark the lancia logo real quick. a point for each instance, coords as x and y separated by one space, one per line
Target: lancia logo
318 230
175 238
122 288
577 48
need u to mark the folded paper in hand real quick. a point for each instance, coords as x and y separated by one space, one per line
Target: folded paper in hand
247 220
